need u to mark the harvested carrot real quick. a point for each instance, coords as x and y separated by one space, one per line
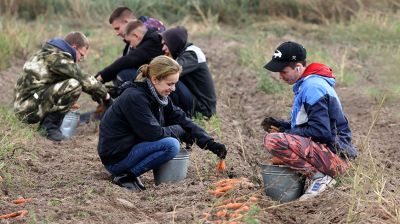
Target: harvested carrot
226 182
234 215
225 189
274 129
234 205
21 200
276 161
243 209
21 213
222 213
221 166
253 199
232 200
233 222
216 193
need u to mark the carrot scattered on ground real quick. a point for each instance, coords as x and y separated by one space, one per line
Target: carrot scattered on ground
226 182
234 205
21 213
244 208
221 166
225 189
222 213
21 200
253 199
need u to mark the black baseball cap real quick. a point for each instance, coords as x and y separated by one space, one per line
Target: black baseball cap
286 52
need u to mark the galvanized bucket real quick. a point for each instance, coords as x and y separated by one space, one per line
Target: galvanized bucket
173 170
282 183
69 124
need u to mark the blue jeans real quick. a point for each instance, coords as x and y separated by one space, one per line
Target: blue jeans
125 75
146 156
183 98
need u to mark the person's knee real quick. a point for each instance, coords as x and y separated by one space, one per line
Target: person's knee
172 146
271 141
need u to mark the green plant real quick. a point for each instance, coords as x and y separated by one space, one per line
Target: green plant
250 216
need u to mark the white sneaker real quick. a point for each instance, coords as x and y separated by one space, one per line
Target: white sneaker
319 183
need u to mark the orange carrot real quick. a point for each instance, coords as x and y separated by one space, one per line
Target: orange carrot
225 182
216 193
242 209
225 189
234 205
222 213
234 215
21 200
221 166
253 199
21 213
276 161
227 201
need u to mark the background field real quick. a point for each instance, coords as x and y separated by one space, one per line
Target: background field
359 39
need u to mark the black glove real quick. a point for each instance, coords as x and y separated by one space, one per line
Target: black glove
217 148
270 124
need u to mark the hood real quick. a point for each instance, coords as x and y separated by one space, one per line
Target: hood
318 69
63 46
175 39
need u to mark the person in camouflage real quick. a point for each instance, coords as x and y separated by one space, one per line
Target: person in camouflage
317 140
51 82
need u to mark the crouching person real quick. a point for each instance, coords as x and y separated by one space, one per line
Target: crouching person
141 130
51 82
317 140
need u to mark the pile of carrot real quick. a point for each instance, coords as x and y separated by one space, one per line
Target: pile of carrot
18 214
233 208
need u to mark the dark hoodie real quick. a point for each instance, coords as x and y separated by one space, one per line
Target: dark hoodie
195 72
149 48
317 111
63 45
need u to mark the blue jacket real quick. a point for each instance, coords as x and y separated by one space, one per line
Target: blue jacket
317 111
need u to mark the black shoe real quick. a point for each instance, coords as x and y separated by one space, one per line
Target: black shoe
126 181
139 183
51 126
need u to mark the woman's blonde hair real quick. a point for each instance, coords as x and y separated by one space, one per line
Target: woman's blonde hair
160 68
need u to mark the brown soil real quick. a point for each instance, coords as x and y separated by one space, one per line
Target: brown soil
68 183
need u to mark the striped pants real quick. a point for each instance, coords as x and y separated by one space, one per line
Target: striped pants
304 155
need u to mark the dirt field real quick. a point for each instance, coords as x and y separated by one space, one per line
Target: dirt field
68 183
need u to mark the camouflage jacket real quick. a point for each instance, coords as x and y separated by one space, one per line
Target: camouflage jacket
49 66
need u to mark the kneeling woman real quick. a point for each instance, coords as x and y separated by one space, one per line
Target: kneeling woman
140 131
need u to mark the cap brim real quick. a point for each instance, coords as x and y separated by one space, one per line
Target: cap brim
275 66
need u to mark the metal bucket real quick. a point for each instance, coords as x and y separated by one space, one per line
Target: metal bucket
173 170
69 124
282 183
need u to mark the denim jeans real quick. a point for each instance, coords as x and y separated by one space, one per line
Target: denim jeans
146 156
183 98
125 75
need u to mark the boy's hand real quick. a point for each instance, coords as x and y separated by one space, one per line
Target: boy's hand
270 124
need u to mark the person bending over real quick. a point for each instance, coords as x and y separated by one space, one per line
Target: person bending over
51 82
142 128
195 92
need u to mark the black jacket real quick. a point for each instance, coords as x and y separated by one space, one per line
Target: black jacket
149 48
197 78
135 117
